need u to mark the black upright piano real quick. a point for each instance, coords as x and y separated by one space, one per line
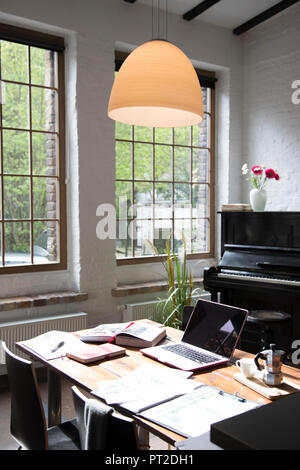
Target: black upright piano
259 268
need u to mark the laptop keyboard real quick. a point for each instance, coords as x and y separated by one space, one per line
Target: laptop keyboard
189 353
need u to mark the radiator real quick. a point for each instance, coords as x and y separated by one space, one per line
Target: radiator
149 310
12 332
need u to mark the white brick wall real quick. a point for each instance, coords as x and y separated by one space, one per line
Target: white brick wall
270 121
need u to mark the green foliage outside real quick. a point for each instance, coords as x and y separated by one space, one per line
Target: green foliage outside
17 114
134 160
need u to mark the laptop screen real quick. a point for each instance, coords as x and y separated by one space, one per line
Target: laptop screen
215 327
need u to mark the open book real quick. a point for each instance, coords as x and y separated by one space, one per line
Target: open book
138 335
55 344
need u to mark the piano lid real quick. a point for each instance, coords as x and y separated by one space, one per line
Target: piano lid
261 259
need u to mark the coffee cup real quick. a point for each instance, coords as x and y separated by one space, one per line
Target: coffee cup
247 367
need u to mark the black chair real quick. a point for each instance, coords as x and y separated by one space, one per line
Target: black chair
267 321
28 422
187 311
118 432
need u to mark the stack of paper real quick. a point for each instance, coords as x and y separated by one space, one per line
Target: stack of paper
145 387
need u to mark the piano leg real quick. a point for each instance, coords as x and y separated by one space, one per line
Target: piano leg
213 295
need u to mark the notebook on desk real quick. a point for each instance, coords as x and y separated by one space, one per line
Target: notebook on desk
210 338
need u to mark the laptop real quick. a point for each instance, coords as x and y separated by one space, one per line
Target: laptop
210 338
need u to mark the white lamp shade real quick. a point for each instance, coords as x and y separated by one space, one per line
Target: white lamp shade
157 86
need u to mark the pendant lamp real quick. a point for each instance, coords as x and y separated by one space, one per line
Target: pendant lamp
156 86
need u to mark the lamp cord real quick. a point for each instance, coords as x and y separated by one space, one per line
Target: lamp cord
158 18
166 19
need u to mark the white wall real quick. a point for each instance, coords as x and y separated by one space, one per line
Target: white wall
270 119
92 28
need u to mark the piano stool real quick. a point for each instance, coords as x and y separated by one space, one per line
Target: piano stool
267 320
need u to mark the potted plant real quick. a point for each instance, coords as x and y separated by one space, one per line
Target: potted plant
180 287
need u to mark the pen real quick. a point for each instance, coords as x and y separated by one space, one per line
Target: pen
59 345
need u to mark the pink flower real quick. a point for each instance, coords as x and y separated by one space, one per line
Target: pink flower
257 169
270 173
276 176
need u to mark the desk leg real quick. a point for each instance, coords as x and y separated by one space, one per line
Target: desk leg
143 438
54 398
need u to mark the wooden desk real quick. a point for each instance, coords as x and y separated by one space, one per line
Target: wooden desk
87 376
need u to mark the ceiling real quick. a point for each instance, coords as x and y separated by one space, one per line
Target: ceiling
226 13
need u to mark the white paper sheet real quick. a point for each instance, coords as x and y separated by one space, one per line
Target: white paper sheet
53 344
193 414
145 386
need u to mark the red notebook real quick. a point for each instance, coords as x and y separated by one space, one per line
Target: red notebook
92 353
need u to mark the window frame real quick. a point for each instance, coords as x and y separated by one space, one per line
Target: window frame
203 76
53 43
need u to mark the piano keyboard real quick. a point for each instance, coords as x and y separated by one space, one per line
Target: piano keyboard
259 278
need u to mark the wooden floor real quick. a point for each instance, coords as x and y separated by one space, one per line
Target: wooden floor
8 443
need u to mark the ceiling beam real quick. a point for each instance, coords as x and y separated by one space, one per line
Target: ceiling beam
198 9
264 16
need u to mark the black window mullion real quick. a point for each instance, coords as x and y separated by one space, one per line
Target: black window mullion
30 158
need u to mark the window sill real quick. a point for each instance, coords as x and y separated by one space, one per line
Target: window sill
40 300
145 288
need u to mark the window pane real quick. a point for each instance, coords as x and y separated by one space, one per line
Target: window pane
201 133
45 238
201 165
182 135
44 152
16 197
44 109
163 162
43 67
143 162
1 245
123 199
143 134
162 233
182 201
182 230
143 201
206 97
14 59
123 160
182 193
44 198
15 109
163 200
143 235
123 131
17 243
16 152
123 245
200 236
200 200
182 164
163 135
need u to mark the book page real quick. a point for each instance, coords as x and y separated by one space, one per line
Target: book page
143 331
146 384
107 330
53 344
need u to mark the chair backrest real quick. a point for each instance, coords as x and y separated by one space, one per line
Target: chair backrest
187 310
27 424
120 431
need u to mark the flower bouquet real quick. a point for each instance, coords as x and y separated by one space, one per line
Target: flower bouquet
259 176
